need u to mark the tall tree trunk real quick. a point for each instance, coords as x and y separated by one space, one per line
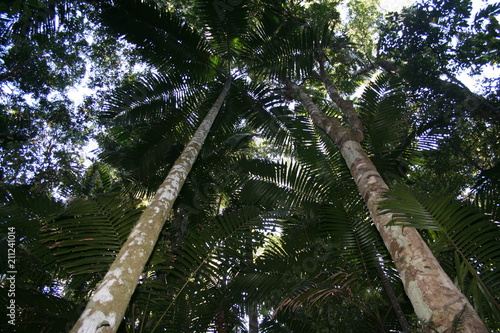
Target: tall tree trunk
436 300
405 328
253 313
109 302
253 318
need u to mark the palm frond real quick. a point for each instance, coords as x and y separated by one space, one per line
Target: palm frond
98 178
388 134
352 233
279 48
284 184
303 271
460 229
38 312
225 23
315 149
26 211
163 38
318 291
22 214
210 257
487 188
72 236
152 97
261 110
145 151
40 17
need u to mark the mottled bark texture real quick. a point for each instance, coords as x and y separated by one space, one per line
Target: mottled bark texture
109 302
438 303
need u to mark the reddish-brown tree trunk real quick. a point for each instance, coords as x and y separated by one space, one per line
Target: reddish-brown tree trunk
436 300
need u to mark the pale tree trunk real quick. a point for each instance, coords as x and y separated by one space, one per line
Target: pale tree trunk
109 302
437 302
253 313
253 318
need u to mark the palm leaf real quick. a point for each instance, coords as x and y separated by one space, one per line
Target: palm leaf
24 214
38 312
152 97
388 135
460 229
264 112
98 178
487 188
225 24
283 184
281 50
208 259
145 151
164 39
318 291
72 236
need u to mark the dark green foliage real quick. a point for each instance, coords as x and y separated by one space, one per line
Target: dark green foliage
433 43
163 38
39 312
464 239
59 255
282 226
482 47
77 250
426 31
44 49
22 215
384 105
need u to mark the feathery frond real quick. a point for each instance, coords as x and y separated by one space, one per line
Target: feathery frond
461 230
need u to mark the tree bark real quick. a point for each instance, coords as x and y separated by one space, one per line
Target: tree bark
405 328
253 318
437 302
253 313
109 302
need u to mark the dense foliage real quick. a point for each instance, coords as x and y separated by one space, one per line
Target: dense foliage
269 230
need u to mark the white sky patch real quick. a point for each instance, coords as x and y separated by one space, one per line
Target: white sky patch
77 93
394 6
474 82
89 152
489 72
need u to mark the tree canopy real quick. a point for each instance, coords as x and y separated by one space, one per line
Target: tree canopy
338 127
